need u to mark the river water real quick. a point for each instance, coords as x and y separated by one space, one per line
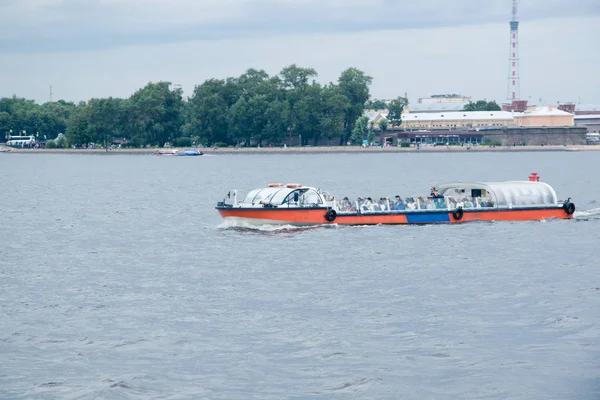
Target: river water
118 280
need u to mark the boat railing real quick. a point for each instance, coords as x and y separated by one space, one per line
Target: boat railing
410 204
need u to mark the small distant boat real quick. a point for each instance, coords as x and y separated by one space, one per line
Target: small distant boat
193 152
166 152
457 202
176 152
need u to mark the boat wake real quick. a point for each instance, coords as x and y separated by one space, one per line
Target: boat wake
244 226
586 215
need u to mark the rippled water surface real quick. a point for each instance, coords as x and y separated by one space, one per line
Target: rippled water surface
119 281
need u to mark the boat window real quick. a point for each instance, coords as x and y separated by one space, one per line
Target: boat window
250 196
289 199
280 196
262 194
310 197
476 193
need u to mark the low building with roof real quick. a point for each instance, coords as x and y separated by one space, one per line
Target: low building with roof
544 116
457 120
581 109
590 121
534 116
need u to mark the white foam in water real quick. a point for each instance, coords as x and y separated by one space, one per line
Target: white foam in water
594 212
231 223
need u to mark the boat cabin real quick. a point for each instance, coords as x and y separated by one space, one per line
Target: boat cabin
501 194
285 195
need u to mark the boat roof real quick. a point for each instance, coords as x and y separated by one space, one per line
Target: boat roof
493 186
509 192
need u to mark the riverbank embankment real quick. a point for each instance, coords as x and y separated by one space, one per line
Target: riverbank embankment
321 150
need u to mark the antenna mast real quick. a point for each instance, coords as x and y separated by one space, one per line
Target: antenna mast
513 92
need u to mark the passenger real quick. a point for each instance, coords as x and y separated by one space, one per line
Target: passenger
430 205
345 204
367 205
459 204
399 203
434 193
376 207
410 204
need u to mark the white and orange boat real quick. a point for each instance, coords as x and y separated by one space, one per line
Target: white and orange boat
296 204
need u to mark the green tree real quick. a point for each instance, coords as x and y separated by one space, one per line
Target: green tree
482 105
77 131
354 84
54 117
383 124
155 114
275 127
105 120
370 133
361 127
333 109
376 105
208 112
395 108
294 82
308 112
296 78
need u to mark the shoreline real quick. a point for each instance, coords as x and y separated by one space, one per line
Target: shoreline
316 150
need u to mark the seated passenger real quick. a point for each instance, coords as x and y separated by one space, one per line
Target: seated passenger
386 205
459 204
345 204
359 202
487 202
399 203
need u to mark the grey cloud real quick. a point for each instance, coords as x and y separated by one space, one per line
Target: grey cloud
77 25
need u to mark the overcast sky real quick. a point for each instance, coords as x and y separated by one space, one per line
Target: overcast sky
101 48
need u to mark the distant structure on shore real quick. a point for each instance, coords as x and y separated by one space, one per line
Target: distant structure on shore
513 57
438 103
444 98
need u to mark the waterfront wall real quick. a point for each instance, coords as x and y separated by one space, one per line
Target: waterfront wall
537 136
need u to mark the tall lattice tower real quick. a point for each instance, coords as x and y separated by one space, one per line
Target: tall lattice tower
513 57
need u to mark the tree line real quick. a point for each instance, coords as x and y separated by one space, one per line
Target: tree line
252 109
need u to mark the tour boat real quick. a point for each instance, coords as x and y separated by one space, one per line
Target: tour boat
458 202
176 152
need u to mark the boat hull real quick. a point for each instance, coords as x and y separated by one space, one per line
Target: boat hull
316 216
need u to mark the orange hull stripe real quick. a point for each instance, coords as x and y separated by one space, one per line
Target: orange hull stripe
514 215
317 216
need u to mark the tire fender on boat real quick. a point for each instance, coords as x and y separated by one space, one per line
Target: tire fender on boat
569 207
458 214
330 215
